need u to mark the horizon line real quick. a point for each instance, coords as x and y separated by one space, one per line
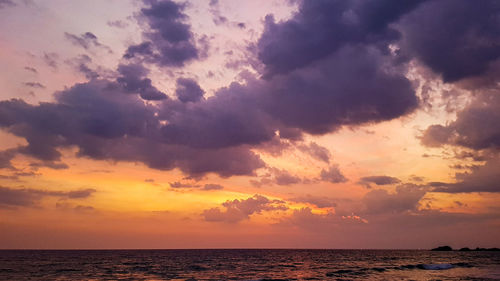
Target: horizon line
226 248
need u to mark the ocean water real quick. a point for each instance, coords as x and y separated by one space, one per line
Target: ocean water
248 265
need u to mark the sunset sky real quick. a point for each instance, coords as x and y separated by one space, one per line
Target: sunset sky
249 124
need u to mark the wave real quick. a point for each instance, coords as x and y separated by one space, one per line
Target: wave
366 270
439 266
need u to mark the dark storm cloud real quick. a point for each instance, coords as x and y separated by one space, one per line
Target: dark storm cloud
224 162
216 134
317 99
30 197
230 118
455 38
378 180
322 27
105 123
188 90
133 79
275 147
476 126
240 209
80 114
143 49
193 162
324 96
326 67
468 51
168 39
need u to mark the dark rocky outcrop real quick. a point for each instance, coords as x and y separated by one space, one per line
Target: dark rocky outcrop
465 249
442 248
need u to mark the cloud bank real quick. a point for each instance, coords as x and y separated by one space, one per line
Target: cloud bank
332 64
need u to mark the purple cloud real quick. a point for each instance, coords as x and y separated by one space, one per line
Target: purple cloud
378 180
30 197
34 85
312 85
168 39
212 186
277 176
240 209
318 201
456 39
316 151
31 69
6 3
333 175
405 198
133 79
484 178
476 126
320 28
188 90
86 41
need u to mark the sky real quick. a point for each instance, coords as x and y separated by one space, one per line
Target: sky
249 124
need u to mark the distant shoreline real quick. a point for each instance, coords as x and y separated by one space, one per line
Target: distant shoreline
441 248
465 249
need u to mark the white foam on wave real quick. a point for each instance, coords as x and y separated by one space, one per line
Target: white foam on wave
438 266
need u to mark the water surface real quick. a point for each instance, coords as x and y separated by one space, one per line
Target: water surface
248 265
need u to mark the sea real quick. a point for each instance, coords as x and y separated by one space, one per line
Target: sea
248 264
